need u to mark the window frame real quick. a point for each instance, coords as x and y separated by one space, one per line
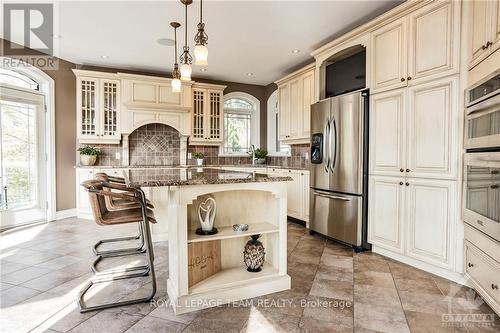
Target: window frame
272 126
254 120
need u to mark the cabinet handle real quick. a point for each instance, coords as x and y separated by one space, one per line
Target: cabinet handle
408 170
470 264
489 44
409 78
402 79
401 183
402 170
289 170
407 184
494 286
484 47
301 173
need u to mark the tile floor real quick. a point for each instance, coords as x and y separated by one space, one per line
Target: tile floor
333 290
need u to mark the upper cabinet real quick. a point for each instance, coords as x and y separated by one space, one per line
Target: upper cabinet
295 95
484 30
98 107
414 131
207 114
418 47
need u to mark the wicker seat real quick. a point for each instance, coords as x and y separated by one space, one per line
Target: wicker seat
142 215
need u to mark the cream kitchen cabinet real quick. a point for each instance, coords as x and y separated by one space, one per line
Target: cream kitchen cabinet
484 30
207 114
83 208
414 131
413 217
418 47
295 96
98 107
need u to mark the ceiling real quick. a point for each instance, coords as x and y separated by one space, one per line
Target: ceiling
244 36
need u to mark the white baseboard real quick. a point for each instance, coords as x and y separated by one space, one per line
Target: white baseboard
444 273
64 214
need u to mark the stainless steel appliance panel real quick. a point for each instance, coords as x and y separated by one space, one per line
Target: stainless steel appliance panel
346 144
320 122
336 215
481 208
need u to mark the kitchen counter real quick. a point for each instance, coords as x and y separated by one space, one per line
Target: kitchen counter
153 177
263 166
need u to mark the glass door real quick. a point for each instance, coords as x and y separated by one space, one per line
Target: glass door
22 157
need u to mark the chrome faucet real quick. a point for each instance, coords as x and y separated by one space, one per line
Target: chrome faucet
252 150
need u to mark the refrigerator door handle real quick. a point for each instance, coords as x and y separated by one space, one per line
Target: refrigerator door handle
331 196
325 149
333 144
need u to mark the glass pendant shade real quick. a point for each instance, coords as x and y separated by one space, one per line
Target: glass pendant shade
201 55
186 72
176 85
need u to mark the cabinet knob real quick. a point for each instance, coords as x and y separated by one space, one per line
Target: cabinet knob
407 184
402 170
470 264
408 170
401 183
402 79
494 286
489 44
301 173
289 170
409 78
484 47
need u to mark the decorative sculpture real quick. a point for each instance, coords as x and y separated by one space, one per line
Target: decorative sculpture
206 213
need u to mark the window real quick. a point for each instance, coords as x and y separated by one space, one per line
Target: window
274 146
241 119
16 79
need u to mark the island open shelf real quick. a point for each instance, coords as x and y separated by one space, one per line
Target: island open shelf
226 232
261 205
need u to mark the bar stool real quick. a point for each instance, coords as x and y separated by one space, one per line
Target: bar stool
104 217
117 184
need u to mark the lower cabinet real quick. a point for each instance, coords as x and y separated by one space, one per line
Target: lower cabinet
415 217
82 198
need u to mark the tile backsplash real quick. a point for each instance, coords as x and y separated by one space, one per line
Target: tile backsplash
154 144
108 154
297 158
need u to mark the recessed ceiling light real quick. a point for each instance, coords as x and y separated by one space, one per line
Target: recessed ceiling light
203 69
249 74
56 36
295 51
166 41
104 56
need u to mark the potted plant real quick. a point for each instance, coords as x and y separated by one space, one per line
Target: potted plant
198 156
260 156
88 155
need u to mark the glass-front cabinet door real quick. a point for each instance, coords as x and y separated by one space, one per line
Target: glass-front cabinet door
198 115
214 116
98 108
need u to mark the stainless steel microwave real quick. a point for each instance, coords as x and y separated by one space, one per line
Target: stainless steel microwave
481 206
483 114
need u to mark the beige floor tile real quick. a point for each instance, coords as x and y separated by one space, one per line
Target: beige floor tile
153 324
431 323
333 310
332 289
379 318
107 321
15 295
418 285
24 275
374 278
7 267
268 321
310 325
334 273
376 296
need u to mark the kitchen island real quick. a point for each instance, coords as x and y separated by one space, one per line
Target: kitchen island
258 200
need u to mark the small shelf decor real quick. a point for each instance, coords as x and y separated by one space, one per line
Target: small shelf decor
206 214
88 155
198 156
254 254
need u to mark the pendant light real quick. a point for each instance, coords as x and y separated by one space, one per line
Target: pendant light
201 40
186 59
176 75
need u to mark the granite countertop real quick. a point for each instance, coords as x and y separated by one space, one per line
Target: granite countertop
148 177
186 166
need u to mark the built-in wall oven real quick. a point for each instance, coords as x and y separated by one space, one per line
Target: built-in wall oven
482 192
483 114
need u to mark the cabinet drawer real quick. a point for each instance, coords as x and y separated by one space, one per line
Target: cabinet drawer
483 270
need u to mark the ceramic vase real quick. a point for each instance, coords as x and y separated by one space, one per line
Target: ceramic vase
88 159
254 254
199 161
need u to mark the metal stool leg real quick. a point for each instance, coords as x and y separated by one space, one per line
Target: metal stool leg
109 253
149 247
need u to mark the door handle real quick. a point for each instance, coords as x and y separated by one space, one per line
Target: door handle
334 158
334 197
325 149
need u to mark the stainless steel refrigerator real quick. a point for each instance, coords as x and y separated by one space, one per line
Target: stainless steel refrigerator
339 168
